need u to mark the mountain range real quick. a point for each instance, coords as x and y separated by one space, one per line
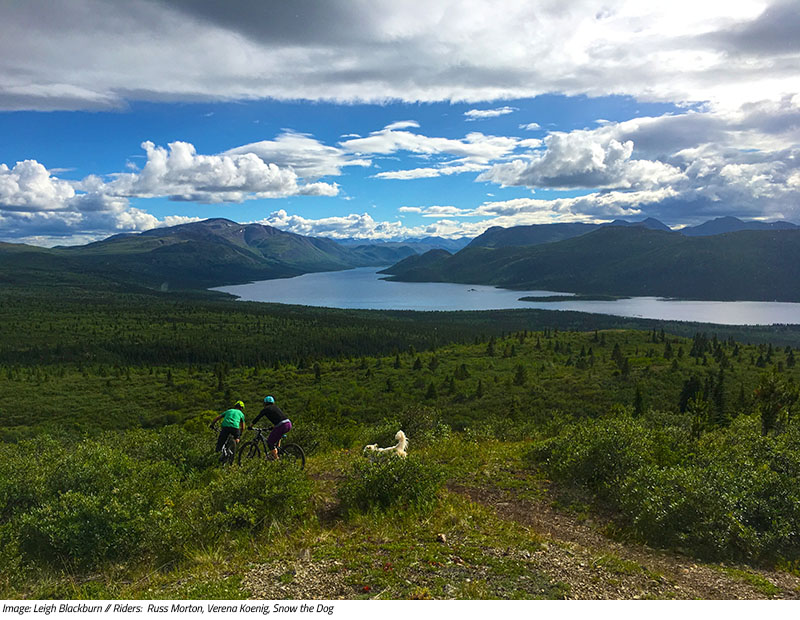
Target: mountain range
536 234
636 261
196 255
618 258
419 245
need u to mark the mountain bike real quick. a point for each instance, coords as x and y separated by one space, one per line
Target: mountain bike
253 450
228 452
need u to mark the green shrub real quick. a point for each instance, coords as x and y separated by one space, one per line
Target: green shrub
726 511
11 568
599 454
186 450
421 423
310 436
391 482
731 494
24 471
97 504
87 528
248 498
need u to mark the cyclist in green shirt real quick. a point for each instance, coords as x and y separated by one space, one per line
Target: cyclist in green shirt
232 424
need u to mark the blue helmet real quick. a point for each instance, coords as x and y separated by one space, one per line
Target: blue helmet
269 399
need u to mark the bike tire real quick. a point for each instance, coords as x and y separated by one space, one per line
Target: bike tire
249 452
293 454
230 444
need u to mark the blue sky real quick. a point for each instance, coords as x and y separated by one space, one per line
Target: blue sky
377 119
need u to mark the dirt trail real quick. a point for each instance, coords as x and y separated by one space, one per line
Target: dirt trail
574 552
596 567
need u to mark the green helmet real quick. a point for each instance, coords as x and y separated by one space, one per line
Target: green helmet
269 399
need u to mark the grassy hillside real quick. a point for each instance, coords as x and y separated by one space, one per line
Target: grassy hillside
747 265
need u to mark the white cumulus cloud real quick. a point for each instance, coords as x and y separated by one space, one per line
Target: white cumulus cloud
336 227
38 207
582 159
28 186
475 146
182 174
307 157
429 172
475 114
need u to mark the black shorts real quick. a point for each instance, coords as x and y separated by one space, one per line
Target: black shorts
227 431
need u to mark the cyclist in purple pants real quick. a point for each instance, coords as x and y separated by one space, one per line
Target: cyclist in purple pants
281 424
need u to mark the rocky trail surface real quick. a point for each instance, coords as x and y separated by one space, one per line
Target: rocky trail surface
575 553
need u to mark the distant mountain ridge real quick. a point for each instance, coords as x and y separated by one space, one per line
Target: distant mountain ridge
727 224
194 255
419 244
536 234
626 258
636 261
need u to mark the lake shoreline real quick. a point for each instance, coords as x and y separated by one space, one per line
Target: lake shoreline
364 288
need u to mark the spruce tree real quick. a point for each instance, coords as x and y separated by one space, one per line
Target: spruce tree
431 393
638 402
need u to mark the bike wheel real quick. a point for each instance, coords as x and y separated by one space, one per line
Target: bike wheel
229 452
249 452
293 454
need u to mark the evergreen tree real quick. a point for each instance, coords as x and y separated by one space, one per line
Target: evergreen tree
720 416
638 402
698 410
774 400
691 388
741 402
431 393
521 375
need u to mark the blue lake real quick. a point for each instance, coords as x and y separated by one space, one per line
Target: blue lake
364 288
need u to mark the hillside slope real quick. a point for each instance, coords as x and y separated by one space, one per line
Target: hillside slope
196 255
746 265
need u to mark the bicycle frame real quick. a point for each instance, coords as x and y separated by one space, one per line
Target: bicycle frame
253 447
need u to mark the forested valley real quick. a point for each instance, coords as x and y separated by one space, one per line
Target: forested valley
677 437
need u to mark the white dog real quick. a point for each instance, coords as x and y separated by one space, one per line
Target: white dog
399 449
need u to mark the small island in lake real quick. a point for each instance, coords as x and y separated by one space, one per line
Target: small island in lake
574 298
